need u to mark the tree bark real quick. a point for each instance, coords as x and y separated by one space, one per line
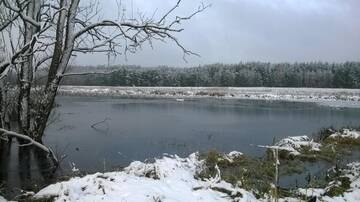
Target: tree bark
45 109
61 56
26 71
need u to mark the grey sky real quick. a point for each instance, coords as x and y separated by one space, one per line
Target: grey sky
231 31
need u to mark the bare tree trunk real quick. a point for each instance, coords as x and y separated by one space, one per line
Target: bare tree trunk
58 49
2 104
61 56
26 72
45 109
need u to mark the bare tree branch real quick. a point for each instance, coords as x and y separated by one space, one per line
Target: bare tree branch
30 142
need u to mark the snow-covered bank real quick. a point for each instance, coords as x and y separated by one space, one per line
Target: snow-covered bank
167 179
304 145
352 172
332 97
346 133
173 179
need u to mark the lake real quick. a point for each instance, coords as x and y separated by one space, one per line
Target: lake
97 133
139 129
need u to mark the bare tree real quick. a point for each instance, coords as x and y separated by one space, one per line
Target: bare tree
44 35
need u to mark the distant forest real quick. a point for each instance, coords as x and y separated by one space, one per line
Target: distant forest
254 74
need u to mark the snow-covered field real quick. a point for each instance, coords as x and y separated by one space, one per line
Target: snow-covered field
326 96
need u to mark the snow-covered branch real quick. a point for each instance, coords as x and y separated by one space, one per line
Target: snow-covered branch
19 11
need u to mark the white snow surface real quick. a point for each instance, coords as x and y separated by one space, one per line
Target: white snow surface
167 179
234 154
2 199
295 144
346 133
311 192
324 96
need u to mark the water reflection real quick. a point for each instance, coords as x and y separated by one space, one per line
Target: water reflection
24 168
5 148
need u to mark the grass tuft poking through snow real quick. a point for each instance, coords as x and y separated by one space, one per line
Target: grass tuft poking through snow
345 136
344 187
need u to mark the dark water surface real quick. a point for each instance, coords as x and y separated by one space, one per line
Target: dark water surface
139 129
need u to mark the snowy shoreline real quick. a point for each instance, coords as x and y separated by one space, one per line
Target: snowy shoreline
323 96
172 178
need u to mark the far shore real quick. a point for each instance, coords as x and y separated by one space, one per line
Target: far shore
327 96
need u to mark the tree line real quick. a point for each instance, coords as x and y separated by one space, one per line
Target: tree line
252 74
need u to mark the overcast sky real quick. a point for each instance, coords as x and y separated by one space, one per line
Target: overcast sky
231 31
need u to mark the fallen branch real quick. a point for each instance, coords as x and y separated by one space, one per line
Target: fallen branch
100 122
30 142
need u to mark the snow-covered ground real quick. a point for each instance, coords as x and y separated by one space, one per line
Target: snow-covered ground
172 178
168 179
332 97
